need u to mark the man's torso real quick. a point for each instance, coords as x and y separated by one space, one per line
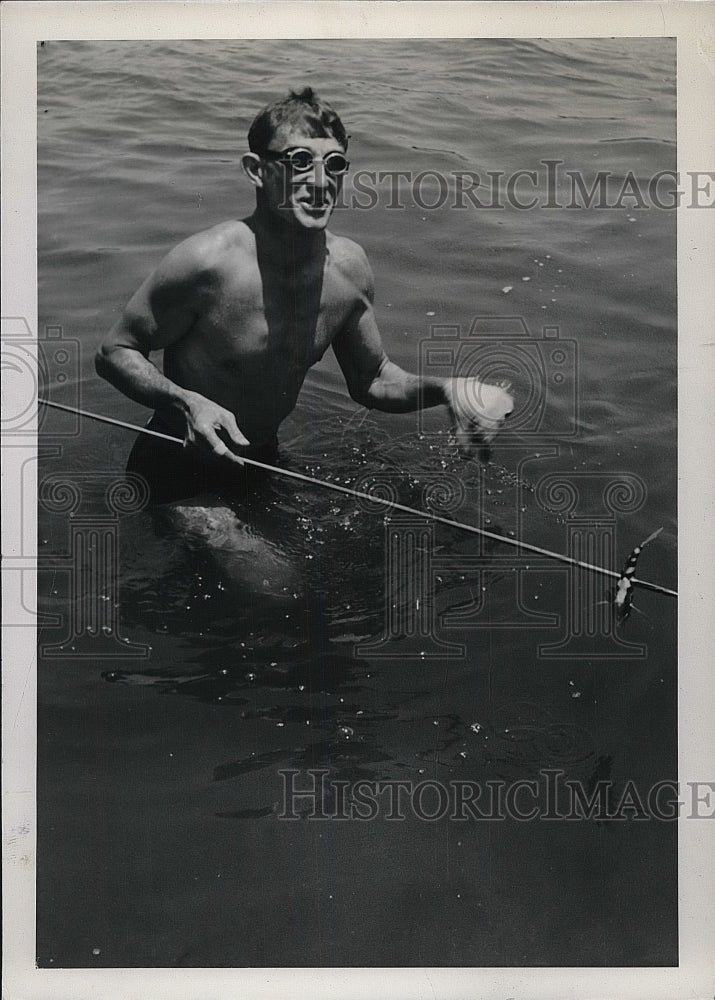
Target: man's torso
260 327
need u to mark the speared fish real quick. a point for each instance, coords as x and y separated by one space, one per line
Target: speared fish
623 599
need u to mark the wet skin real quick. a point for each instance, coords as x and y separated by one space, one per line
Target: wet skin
244 309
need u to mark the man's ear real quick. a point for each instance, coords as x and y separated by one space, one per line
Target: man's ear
252 168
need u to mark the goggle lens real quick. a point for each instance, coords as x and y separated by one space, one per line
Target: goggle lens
300 161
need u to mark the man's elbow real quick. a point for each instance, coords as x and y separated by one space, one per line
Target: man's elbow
109 359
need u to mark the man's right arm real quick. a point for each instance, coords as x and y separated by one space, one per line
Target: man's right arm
161 313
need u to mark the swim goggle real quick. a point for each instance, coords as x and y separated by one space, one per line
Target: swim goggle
300 160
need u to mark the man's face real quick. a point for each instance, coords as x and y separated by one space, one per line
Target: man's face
306 196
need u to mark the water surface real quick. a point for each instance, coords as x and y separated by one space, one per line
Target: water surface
159 786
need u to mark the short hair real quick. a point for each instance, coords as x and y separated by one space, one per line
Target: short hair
305 110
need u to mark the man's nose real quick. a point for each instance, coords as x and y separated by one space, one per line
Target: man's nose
318 175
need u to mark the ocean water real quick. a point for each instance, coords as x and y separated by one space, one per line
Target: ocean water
179 683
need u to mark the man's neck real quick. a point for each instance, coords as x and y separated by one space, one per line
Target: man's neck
286 244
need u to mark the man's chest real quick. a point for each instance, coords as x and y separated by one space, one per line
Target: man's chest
270 321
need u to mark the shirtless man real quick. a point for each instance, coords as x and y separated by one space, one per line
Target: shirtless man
244 309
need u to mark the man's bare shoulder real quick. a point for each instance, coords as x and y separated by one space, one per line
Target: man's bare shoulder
347 252
352 260
206 253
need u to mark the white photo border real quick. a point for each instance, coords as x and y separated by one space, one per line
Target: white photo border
693 24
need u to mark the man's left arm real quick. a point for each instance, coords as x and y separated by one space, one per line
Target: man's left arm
477 409
376 382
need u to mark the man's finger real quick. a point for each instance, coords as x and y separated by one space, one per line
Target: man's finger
232 429
220 451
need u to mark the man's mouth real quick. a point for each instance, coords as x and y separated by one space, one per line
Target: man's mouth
315 203
315 206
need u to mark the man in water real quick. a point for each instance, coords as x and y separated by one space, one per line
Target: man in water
244 309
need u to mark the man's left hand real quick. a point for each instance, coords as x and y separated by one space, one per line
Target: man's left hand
478 409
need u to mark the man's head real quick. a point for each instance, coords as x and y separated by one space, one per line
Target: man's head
304 112
297 158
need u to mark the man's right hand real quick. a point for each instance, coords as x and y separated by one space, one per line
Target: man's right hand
211 429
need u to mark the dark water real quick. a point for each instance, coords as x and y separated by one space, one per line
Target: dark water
160 786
